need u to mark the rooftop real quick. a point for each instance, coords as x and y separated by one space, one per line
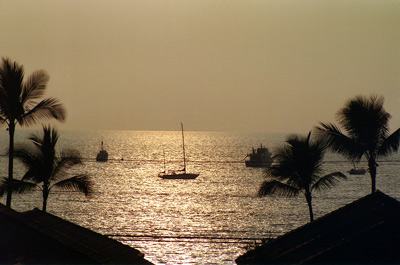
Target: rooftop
37 237
365 231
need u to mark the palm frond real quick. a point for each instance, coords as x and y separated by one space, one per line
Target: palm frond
298 161
80 183
276 187
37 140
361 111
67 159
328 181
25 154
46 141
2 120
339 142
18 186
49 108
40 160
34 88
281 169
11 80
21 186
11 77
365 120
390 144
3 186
33 161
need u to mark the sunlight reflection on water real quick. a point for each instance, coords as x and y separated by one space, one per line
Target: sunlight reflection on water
198 221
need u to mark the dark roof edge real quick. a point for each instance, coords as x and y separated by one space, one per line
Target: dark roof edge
351 204
21 220
71 243
377 193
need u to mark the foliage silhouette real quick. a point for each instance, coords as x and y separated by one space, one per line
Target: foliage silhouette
19 105
47 169
296 169
366 124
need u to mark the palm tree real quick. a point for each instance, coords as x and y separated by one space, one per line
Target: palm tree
46 170
19 104
296 169
366 123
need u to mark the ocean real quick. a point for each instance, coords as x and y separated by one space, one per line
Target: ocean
209 220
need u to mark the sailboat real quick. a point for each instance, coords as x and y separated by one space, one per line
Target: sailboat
357 171
178 174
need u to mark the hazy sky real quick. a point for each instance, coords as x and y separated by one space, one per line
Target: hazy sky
215 65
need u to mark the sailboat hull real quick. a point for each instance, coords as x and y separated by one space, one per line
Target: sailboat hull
178 176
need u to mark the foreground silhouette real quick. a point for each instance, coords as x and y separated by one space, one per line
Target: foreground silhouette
296 169
46 170
19 105
37 237
365 231
367 126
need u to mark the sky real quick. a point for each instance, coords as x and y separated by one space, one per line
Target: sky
215 65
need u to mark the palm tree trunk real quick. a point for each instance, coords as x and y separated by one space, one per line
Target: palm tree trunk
45 196
372 172
309 199
11 131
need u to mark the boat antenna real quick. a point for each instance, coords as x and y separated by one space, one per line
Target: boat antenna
183 147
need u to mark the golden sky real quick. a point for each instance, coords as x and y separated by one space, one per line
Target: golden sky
215 65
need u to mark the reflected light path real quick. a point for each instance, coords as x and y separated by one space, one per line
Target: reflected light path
208 220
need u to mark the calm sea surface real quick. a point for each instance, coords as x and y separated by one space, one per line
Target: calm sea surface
209 220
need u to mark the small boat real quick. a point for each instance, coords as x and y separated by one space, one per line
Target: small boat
260 157
102 156
178 174
357 171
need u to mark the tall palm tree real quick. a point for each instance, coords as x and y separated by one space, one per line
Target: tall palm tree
46 170
19 104
296 170
366 124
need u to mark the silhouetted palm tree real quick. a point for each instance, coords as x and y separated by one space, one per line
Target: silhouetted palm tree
296 169
48 169
367 126
19 104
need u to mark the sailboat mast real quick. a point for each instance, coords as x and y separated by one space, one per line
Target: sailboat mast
183 147
165 168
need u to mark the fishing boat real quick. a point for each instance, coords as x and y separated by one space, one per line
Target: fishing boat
102 156
357 171
178 174
260 157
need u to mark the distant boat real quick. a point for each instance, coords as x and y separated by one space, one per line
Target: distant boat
260 157
102 156
357 171
178 174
